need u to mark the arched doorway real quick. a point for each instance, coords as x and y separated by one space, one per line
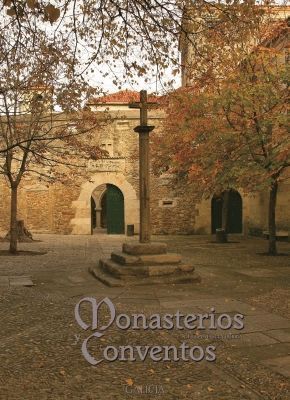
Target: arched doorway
82 221
235 212
107 209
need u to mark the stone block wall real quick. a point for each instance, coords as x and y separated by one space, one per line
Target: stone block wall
283 207
172 209
4 205
65 208
44 209
50 209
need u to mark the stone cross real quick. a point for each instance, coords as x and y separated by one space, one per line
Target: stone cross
144 165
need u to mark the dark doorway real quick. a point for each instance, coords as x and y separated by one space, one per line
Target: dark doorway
235 213
114 210
108 212
93 213
104 210
216 213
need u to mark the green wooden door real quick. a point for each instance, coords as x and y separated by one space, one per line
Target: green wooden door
115 210
235 217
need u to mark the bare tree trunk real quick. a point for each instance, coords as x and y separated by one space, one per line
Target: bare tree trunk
13 220
272 218
225 210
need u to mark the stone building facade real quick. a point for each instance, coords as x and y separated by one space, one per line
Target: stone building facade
82 208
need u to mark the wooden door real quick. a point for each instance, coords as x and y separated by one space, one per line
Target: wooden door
115 210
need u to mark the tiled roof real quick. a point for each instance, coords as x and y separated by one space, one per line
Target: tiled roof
123 96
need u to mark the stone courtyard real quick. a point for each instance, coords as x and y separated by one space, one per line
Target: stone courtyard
41 341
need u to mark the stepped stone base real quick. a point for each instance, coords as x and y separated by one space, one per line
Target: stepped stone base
151 259
144 248
144 264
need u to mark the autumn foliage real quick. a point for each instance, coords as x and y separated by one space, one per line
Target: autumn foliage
233 133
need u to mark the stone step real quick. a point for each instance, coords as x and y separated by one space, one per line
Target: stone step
119 270
20 281
151 259
106 279
144 248
111 281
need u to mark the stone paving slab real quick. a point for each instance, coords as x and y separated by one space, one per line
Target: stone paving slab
280 365
260 323
183 303
77 278
4 281
259 273
261 353
145 302
141 292
20 281
282 335
253 323
252 339
220 305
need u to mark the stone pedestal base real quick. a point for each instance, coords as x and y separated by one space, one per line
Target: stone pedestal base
144 264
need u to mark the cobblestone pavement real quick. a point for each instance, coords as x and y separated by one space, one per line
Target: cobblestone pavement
40 348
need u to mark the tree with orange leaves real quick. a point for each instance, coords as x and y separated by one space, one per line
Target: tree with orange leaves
235 136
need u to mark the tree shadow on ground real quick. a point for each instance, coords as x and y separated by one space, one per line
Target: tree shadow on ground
7 253
5 240
222 243
274 255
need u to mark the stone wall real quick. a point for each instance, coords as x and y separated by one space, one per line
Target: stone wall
4 205
51 209
283 207
255 212
172 207
44 209
66 208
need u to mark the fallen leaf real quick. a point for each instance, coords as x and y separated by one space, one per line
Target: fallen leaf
130 382
210 389
283 385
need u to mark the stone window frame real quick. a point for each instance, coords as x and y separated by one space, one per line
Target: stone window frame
167 203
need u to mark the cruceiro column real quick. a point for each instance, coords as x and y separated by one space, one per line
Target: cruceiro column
144 168
146 262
